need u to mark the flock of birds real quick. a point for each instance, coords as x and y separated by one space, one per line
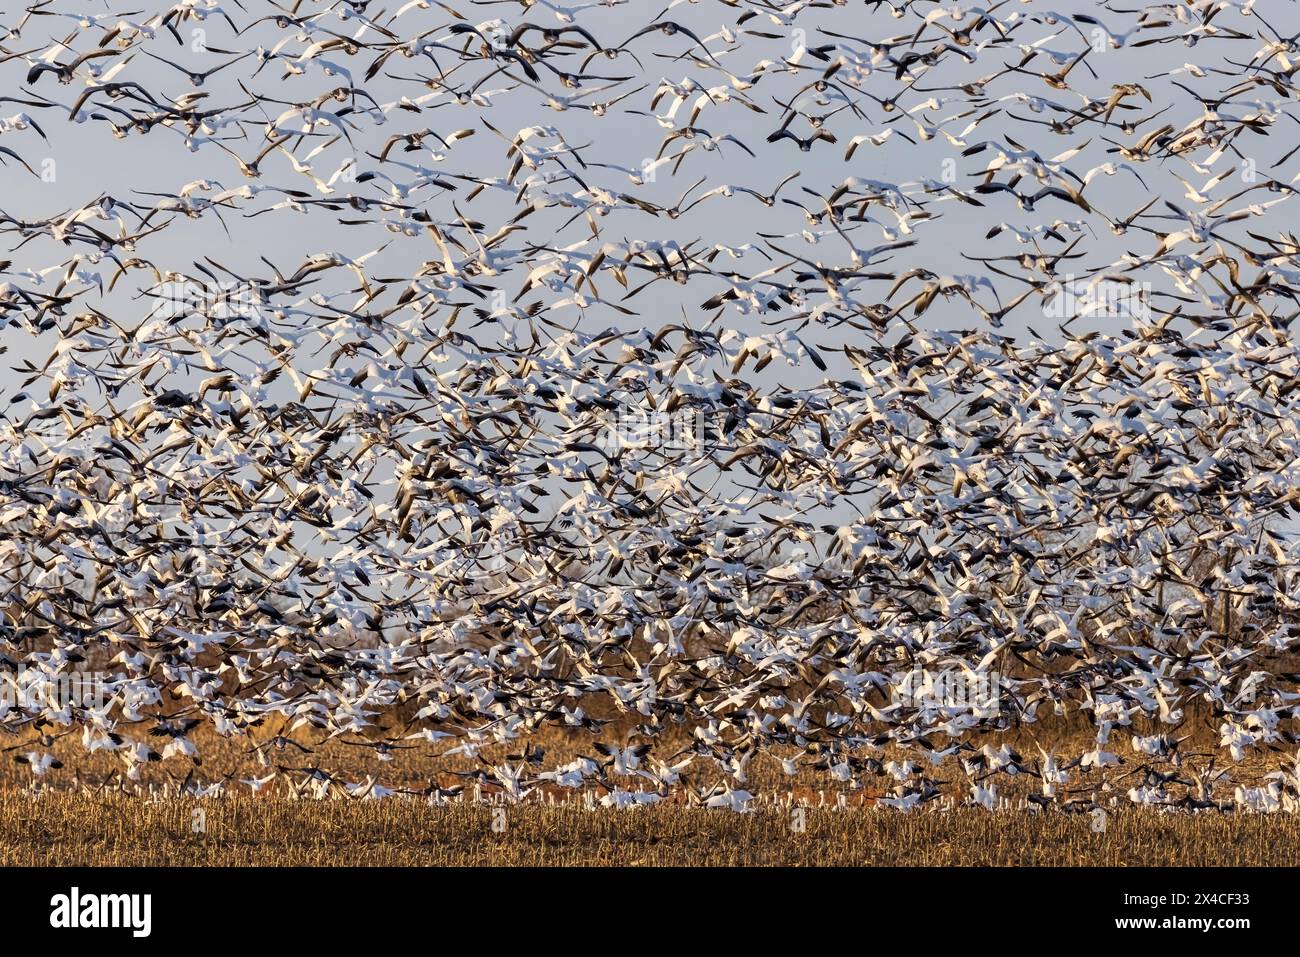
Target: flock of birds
398 492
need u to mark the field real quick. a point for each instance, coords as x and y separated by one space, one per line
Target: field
66 829
87 813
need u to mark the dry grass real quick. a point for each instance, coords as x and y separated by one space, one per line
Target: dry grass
84 814
66 829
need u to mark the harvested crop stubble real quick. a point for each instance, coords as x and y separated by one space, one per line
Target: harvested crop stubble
65 829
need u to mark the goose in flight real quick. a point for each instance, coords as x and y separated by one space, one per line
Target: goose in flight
1011 408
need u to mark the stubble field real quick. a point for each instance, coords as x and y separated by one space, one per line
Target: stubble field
88 813
66 829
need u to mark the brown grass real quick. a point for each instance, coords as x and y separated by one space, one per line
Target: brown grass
86 814
67 829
